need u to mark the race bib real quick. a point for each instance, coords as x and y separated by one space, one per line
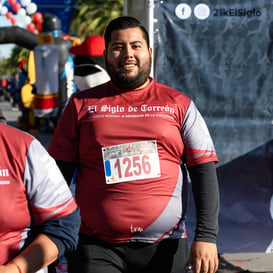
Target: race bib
131 161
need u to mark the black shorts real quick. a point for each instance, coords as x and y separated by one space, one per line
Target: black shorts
96 256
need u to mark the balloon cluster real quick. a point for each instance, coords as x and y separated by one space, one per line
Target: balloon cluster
27 11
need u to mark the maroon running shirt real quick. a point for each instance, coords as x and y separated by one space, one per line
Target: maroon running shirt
26 187
128 146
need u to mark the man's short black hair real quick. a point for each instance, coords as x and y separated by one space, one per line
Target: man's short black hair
124 22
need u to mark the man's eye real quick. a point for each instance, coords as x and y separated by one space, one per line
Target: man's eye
118 48
137 46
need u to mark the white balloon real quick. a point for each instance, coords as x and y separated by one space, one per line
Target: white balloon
21 12
19 25
27 20
4 10
31 8
25 3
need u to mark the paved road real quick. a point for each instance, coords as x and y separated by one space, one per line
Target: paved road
229 262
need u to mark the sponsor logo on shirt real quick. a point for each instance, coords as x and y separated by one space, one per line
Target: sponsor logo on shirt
135 109
4 173
135 229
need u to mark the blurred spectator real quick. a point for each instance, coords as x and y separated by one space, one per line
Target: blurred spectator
17 83
2 117
3 89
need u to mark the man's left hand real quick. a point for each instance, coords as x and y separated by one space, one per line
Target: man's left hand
204 257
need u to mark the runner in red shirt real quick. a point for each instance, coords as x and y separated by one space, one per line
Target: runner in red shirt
39 219
130 140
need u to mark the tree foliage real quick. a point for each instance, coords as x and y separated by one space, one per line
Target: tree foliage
89 18
8 65
92 16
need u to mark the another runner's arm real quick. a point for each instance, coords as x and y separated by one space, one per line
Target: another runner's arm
50 243
206 195
53 208
39 254
55 215
67 169
66 235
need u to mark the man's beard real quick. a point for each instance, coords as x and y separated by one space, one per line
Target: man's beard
121 80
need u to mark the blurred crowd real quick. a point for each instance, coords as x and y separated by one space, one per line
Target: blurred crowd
10 88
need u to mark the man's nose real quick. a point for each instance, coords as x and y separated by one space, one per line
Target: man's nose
128 52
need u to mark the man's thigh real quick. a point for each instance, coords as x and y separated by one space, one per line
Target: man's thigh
168 256
94 256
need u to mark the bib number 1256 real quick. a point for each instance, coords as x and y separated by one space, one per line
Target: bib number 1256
131 161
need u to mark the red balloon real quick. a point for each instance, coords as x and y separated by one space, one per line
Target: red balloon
11 2
31 26
37 18
35 31
39 26
9 15
16 7
13 20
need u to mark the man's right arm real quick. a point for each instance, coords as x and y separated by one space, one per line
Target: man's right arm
67 169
